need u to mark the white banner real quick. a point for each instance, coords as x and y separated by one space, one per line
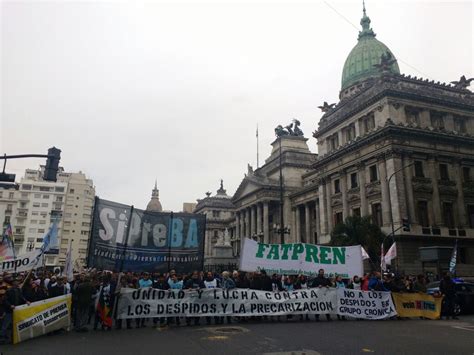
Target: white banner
301 258
149 302
365 304
24 262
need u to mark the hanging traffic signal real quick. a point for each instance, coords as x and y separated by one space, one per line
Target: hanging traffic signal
52 164
406 225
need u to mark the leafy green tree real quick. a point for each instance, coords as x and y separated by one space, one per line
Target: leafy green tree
360 230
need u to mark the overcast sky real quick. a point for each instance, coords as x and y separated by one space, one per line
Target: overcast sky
132 92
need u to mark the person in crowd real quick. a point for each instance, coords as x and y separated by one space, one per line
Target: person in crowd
339 283
355 284
321 281
195 282
241 280
420 284
5 320
57 288
364 283
104 303
210 281
301 283
161 284
447 287
13 297
175 283
83 293
228 283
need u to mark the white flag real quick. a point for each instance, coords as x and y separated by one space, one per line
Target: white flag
364 253
391 254
68 269
383 266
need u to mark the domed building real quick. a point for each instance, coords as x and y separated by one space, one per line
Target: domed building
396 148
361 63
155 205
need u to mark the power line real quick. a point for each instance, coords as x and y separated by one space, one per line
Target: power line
357 28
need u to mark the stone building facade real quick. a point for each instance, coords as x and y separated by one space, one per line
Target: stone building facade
395 147
220 215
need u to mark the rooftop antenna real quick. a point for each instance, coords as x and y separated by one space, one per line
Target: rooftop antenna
363 6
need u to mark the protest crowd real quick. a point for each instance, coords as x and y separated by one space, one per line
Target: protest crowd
95 293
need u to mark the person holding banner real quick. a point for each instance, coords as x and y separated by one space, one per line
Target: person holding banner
319 282
448 290
193 283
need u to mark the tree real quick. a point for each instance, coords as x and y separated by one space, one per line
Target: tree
360 230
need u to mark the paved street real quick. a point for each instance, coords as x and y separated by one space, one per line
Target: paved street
337 337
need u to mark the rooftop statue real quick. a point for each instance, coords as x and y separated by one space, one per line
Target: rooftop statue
462 83
326 107
293 129
386 62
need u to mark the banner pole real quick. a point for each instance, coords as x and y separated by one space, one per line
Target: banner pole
169 240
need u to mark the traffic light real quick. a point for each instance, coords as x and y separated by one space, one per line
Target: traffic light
52 164
406 225
4 177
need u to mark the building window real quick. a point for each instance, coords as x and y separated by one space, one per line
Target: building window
419 169
46 197
40 230
338 218
377 214
350 132
7 220
71 191
354 182
437 120
44 188
356 212
369 123
59 189
59 199
443 172
36 204
466 174
448 215
337 186
374 176
45 204
11 195
470 214
460 124
84 232
333 142
423 213
37 195
26 187
413 115
216 214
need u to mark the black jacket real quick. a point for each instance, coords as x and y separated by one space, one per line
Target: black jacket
321 281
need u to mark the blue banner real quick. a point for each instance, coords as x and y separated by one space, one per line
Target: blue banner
128 239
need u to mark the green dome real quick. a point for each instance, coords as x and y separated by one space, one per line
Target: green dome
360 63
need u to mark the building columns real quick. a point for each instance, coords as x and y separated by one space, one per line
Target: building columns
345 202
307 223
462 216
385 193
266 231
298 225
237 225
436 204
252 220
330 217
318 221
363 194
322 210
259 220
408 174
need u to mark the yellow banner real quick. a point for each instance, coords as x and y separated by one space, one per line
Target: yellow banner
417 305
42 317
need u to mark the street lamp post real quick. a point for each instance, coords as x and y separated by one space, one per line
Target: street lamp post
282 231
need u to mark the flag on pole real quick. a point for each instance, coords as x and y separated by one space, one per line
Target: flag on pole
50 240
68 269
256 135
383 267
365 255
454 257
7 248
391 254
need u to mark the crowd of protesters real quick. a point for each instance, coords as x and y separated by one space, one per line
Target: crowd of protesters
95 293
